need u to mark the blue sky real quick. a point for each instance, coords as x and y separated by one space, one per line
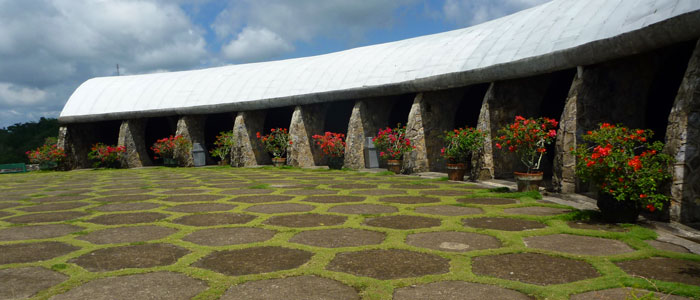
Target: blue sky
49 47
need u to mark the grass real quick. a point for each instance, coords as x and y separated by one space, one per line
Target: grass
369 288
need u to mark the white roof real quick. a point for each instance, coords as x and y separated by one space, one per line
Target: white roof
530 41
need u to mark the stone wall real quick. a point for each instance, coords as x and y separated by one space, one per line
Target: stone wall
683 143
431 115
307 121
564 173
248 150
367 117
76 140
132 136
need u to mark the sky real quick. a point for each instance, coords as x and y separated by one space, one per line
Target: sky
49 47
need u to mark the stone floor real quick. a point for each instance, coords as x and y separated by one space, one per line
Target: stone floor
264 233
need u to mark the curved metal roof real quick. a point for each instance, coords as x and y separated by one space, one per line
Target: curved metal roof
553 36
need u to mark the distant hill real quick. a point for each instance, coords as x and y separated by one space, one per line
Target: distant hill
16 139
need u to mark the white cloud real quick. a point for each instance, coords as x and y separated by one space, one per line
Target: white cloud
302 20
471 12
49 47
256 44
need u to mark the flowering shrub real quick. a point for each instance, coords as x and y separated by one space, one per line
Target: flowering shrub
331 143
624 164
223 145
171 147
106 156
528 139
47 153
461 143
276 142
392 143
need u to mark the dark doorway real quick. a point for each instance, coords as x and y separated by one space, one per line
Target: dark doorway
467 114
279 117
106 132
338 116
158 128
552 107
400 109
213 126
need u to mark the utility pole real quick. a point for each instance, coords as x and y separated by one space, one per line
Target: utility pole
117 69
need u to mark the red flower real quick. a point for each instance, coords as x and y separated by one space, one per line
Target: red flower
651 207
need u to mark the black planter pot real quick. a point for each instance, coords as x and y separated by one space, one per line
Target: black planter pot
617 211
335 163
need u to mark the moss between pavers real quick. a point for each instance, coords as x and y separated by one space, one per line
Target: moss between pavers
153 182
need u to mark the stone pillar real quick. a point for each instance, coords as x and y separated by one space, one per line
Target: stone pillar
76 139
132 136
306 121
683 143
431 115
503 101
248 150
564 175
367 117
192 128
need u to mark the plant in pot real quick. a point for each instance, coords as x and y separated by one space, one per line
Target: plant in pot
393 144
48 156
172 149
528 139
223 146
106 156
276 143
626 168
333 146
460 144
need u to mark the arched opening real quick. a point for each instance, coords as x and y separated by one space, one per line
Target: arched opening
158 128
279 117
400 109
467 113
552 107
106 132
338 116
213 126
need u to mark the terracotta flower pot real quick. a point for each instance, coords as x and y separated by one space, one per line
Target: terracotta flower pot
279 161
528 181
456 172
394 165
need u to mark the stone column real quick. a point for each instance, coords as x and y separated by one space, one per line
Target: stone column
431 115
306 121
248 150
192 128
564 175
367 117
683 143
132 136
76 139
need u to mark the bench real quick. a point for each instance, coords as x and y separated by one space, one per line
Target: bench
13 168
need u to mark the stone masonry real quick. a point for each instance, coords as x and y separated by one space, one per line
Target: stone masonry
431 115
683 143
564 177
131 135
76 140
367 117
307 121
248 151
192 128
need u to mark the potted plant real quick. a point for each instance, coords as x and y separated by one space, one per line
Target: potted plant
171 149
333 146
393 144
106 156
459 146
223 146
48 156
528 139
276 143
626 168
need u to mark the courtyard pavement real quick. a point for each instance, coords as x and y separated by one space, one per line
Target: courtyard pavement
265 233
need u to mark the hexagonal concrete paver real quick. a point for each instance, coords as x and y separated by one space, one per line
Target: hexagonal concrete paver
135 256
533 268
213 219
363 209
456 290
32 232
31 252
388 264
665 269
23 283
507 224
577 244
254 260
306 220
336 238
623 294
154 286
448 210
229 236
130 234
403 222
299 287
453 241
